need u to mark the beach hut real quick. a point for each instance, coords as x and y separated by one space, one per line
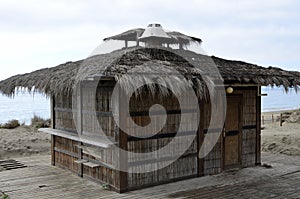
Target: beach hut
107 92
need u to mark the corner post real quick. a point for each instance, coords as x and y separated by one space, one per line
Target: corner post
79 120
200 139
52 109
123 157
258 128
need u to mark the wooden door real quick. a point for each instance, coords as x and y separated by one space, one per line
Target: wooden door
232 133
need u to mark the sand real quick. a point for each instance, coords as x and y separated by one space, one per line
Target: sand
25 141
283 139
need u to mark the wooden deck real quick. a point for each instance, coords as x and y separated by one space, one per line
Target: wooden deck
40 180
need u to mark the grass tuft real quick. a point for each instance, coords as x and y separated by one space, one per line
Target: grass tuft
39 122
10 124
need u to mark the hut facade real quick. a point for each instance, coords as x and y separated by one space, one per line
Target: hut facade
76 114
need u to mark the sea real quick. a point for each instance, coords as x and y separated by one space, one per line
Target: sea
23 106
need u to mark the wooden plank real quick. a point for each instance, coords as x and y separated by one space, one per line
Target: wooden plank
91 164
162 135
74 155
42 181
80 161
161 159
154 113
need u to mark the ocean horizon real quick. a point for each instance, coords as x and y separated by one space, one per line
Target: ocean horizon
23 106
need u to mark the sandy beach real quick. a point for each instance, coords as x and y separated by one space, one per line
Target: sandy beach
283 139
25 141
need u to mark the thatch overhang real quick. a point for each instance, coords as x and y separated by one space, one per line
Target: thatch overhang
178 38
160 62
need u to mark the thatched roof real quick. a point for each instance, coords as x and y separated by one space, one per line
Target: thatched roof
134 34
141 61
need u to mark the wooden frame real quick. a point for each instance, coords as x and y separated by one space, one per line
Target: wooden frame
239 97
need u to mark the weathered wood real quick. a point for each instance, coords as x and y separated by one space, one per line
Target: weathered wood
123 156
281 119
200 139
52 150
42 181
52 110
232 140
80 156
95 141
52 105
258 128
139 110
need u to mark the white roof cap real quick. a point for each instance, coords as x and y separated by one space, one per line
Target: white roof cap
154 31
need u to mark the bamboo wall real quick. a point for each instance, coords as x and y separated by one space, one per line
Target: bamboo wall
96 108
184 167
249 136
212 163
63 119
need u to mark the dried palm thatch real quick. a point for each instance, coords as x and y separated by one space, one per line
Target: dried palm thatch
177 37
145 64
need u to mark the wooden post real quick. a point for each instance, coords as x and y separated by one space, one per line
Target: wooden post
263 120
258 128
52 109
200 139
123 144
281 119
79 108
180 46
79 123
272 118
52 150
126 44
80 155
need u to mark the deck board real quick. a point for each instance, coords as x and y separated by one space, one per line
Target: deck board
41 180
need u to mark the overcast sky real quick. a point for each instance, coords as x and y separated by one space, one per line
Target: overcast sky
36 34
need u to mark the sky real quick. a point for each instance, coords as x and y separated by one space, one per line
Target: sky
36 34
